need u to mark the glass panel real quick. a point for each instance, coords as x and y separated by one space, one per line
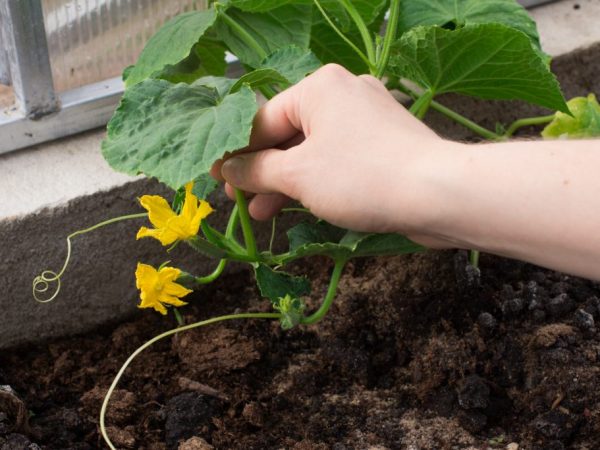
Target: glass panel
92 40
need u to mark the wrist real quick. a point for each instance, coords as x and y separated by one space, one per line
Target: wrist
438 175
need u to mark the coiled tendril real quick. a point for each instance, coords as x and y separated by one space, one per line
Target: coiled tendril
42 282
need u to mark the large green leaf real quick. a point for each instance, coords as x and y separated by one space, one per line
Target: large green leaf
284 67
260 77
275 284
206 58
329 47
490 61
273 29
584 123
264 5
456 14
321 238
292 62
175 132
171 44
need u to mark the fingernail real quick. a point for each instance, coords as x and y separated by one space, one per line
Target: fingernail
232 171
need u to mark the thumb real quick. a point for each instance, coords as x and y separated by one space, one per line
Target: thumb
262 172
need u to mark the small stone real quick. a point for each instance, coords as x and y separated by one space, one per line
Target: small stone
592 306
554 424
122 437
584 320
187 414
486 321
531 291
195 443
512 446
473 421
559 305
16 441
254 415
473 393
559 288
512 306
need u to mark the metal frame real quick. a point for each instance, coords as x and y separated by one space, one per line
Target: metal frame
39 114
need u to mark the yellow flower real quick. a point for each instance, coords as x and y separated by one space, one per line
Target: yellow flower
169 227
158 287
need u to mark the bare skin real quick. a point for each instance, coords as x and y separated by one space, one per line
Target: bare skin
345 149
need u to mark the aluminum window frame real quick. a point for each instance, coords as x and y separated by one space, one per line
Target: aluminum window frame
40 114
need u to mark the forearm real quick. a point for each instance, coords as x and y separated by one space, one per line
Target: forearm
535 201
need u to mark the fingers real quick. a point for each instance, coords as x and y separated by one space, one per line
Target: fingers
266 206
265 172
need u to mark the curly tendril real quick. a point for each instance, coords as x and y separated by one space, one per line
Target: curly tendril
43 282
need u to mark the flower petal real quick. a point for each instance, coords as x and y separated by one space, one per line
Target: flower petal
159 211
167 274
190 204
176 289
203 210
145 276
166 236
171 300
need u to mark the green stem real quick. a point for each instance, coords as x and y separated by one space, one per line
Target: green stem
421 105
213 276
451 114
234 222
339 32
331 291
388 40
204 247
157 338
41 283
243 34
273 228
246 225
302 210
178 317
467 123
528 121
363 30
232 225
268 92
474 258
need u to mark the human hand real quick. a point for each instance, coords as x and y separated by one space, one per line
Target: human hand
342 146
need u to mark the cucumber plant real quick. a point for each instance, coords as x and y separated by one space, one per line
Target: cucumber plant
180 113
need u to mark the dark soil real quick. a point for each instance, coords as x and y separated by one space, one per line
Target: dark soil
418 352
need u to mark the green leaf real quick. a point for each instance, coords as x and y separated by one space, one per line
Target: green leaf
171 44
369 10
264 5
275 285
456 14
258 78
206 58
293 62
306 233
204 185
175 132
273 29
221 84
585 122
329 47
490 61
369 244
321 238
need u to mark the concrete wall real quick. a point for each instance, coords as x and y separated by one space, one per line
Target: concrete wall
51 190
